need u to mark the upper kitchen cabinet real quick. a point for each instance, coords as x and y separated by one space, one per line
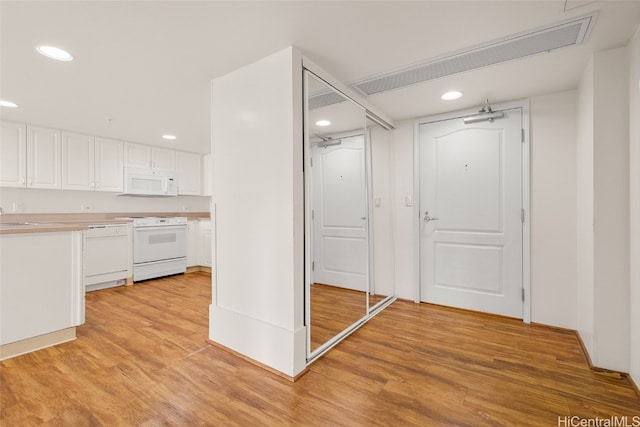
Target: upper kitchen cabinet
78 169
13 158
145 156
163 158
137 156
109 165
189 176
90 163
44 155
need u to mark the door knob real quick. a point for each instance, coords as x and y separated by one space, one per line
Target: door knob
427 218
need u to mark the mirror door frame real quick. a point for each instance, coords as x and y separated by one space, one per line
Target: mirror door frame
309 68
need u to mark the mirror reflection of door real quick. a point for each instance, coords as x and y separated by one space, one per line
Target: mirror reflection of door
337 213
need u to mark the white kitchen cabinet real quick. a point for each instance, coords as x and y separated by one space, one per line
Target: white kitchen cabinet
192 243
44 158
78 168
199 243
146 156
163 158
109 165
204 240
13 154
45 299
206 174
90 163
137 155
189 176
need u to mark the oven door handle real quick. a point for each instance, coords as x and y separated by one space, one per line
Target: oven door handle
161 227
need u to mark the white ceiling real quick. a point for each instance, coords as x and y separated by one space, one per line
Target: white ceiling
147 65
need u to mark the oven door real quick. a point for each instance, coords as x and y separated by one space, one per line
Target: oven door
159 243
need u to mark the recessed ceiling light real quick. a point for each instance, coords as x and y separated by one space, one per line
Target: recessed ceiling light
451 95
55 53
167 136
323 123
8 104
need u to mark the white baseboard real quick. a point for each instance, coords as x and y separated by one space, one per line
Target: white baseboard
272 345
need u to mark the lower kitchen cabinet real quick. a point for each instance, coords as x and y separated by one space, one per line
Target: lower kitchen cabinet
199 243
43 299
204 251
192 243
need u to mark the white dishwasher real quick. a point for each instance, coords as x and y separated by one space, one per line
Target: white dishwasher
106 253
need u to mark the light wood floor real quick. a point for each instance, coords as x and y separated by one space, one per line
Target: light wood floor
141 359
337 309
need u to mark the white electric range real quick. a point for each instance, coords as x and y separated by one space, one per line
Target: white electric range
159 247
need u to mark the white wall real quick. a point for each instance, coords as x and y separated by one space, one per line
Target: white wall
603 210
402 163
584 208
68 201
384 270
258 208
553 209
611 209
634 192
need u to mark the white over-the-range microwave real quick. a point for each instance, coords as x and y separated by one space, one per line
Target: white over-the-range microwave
149 183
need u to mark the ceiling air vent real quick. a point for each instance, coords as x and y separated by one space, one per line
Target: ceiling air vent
569 33
323 98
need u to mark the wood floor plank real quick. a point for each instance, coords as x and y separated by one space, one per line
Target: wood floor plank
141 359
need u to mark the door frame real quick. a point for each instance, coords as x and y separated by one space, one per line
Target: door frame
526 196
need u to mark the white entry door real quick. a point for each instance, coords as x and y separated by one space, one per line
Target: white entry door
339 214
471 226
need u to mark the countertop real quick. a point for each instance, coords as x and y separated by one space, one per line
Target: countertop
53 222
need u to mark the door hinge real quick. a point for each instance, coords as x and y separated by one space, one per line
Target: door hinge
313 214
522 136
311 161
313 266
522 294
522 216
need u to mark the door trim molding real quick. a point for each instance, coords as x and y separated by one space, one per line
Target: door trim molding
526 196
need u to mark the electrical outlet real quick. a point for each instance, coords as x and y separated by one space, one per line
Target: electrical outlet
17 207
377 202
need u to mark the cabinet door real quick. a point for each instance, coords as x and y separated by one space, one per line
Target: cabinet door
44 158
188 165
13 155
137 155
109 165
163 158
192 243
77 161
204 249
